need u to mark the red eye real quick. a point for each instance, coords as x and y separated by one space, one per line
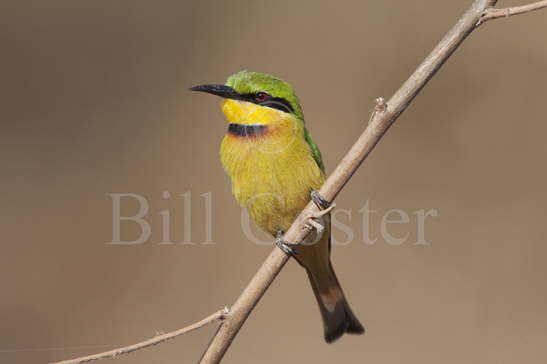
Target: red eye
261 97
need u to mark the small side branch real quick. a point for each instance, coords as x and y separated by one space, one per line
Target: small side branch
217 316
493 13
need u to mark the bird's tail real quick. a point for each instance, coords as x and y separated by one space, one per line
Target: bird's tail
337 315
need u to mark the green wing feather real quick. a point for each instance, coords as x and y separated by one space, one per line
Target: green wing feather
314 150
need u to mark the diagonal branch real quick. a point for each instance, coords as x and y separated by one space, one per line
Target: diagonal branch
493 13
383 117
217 316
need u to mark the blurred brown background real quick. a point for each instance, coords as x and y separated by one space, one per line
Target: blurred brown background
94 101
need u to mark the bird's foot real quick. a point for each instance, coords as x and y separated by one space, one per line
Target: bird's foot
321 202
287 248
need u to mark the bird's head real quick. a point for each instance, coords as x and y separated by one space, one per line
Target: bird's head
255 98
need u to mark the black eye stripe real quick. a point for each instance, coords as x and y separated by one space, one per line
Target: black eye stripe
278 103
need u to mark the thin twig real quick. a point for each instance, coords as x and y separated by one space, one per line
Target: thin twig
217 316
493 13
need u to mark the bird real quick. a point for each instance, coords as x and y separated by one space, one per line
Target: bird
275 169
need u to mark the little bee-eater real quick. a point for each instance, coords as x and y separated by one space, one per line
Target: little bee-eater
275 169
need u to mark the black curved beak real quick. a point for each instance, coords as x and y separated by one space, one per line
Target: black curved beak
219 90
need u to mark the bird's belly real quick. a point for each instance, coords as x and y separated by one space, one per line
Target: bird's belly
274 187
271 206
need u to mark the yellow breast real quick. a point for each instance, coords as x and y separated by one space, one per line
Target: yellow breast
272 172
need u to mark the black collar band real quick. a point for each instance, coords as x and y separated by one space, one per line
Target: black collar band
246 130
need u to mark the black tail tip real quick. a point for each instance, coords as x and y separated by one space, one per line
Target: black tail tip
350 326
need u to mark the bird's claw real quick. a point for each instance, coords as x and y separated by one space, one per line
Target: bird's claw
287 248
321 202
